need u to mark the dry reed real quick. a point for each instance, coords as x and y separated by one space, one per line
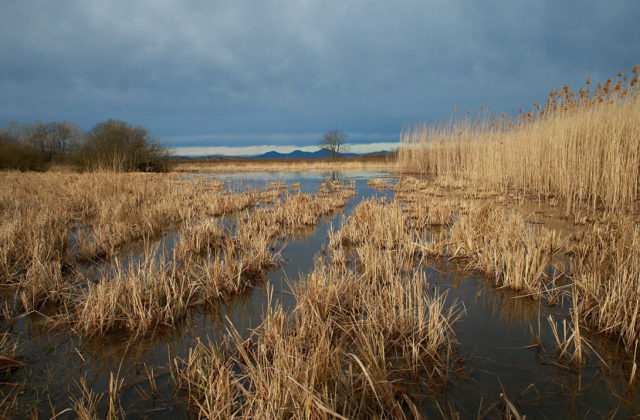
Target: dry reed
380 184
582 147
340 353
210 262
285 165
500 243
52 222
353 335
605 268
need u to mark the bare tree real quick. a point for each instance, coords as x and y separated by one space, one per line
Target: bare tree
55 140
334 141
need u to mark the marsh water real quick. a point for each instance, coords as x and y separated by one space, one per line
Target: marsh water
504 342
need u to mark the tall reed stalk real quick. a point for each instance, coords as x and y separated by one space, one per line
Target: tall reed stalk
583 147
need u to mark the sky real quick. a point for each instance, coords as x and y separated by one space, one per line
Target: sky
244 75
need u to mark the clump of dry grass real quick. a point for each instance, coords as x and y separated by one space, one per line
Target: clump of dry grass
582 147
198 238
340 353
301 210
383 225
500 243
605 268
44 283
138 298
85 407
234 267
8 350
380 184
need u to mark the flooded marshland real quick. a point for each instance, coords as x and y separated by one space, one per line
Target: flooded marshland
477 347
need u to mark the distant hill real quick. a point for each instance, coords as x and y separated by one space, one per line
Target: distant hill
199 157
299 154
296 154
380 153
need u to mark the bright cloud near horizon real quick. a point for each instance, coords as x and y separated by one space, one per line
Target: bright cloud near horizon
211 75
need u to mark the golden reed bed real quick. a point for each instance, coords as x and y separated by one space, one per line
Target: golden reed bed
284 165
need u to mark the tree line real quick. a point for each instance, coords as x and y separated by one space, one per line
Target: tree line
110 145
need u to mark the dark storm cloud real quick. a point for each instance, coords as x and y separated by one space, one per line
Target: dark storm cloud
283 72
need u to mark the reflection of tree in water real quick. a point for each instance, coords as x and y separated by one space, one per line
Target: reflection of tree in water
336 176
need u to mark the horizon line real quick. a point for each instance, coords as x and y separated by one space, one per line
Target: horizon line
260 149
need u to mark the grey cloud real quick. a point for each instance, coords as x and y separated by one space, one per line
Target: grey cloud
256 70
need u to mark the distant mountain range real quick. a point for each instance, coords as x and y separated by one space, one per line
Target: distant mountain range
296 154
299 154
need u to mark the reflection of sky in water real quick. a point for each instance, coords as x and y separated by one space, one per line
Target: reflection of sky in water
308 180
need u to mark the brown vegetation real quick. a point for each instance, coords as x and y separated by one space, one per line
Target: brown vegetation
54 224
582 147
353 335
379 184
283 165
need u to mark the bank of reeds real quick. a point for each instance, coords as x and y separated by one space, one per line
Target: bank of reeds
580 149
583 147
284 165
